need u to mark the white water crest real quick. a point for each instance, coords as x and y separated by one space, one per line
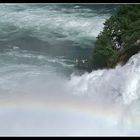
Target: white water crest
110 84
51 22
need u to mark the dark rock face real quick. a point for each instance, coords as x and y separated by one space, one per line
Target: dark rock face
125 55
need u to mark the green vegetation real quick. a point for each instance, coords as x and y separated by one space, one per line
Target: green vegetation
125 26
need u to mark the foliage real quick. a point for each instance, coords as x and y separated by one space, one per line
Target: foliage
125 25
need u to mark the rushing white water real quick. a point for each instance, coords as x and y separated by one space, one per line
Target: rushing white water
35 102
41 93
120 82
51 22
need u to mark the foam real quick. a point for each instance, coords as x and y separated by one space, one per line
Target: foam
44 21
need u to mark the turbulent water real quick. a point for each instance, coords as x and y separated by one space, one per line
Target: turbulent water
42 93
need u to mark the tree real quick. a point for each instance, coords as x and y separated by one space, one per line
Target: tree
125 26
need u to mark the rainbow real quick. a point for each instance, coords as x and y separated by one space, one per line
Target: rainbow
71 105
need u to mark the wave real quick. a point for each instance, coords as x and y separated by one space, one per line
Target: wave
19 56
52 22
